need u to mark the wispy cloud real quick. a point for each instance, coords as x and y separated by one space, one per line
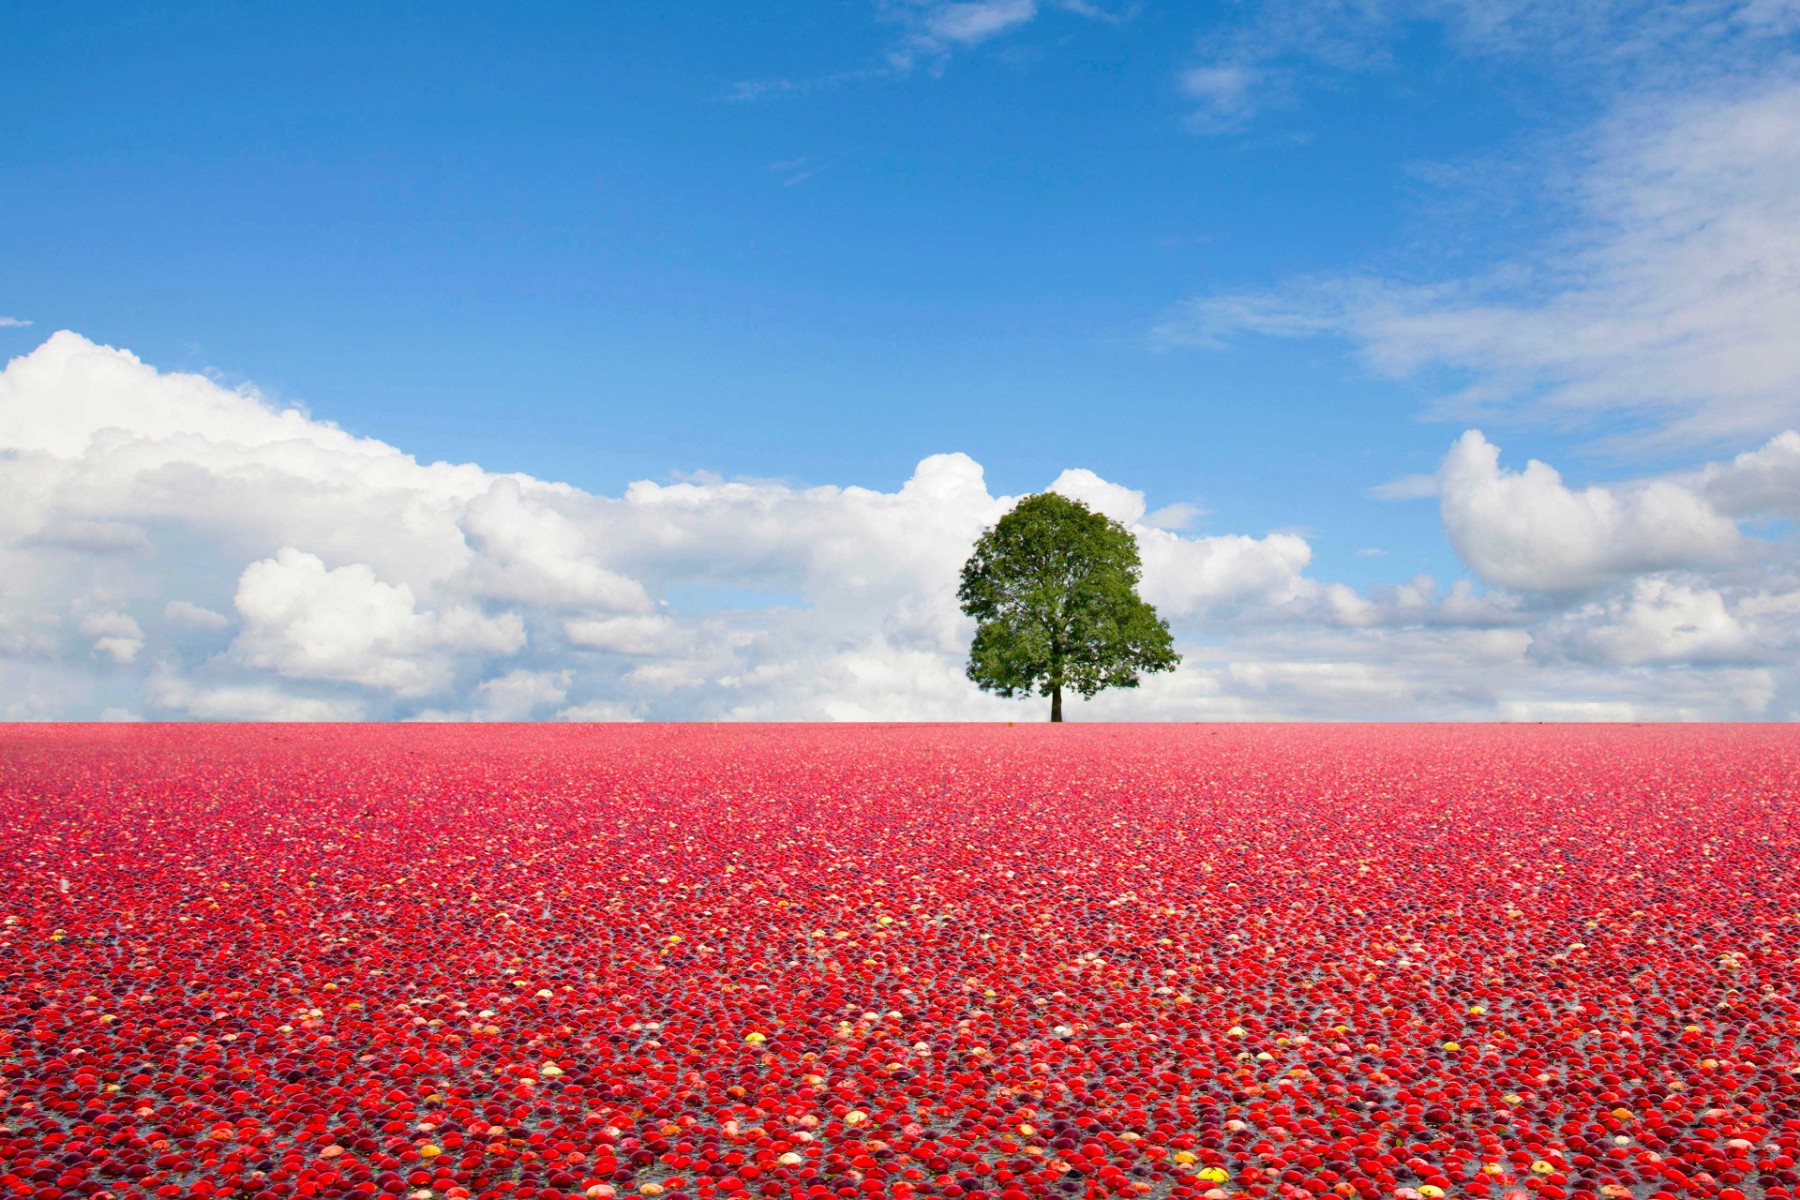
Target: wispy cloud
1407 487
937 28
1671 304
1176 517
1228 94
12 323
749 90
793 170
930 32
934 28
1266 52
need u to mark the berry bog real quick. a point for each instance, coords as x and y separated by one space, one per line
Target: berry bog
1514 962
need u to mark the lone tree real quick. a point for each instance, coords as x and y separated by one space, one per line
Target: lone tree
1053 586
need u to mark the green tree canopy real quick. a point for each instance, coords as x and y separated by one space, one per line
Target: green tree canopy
1053 587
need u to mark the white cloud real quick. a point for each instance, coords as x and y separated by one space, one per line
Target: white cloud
248 702
358 583
794 171
1175 517
1195 577
527 551
624 635
97 435
1228 94
517 694
28 635
1602 711
1671 305
599 710
1120 503
1764 482
1438 674
193 616
1407 487
1265 53
13 323
306 622
966 22
98 537
1720 695
1657 621
119 649
116 635
364 583
1526 529
933 29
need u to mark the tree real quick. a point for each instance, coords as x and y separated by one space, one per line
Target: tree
1053 587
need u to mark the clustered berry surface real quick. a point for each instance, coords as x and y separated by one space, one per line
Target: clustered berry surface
1525 963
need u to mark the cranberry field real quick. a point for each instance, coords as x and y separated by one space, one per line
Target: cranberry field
1511 962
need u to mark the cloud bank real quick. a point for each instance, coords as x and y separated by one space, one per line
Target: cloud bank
172 548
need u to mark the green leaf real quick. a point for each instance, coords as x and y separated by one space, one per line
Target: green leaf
1053 589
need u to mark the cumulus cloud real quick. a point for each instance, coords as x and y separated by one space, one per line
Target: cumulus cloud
116 635
1120 503
1190 577
1764 482
1658 620
518 695
305 621
1186 576
527 551
231 551
1640 599
290 570
1526 529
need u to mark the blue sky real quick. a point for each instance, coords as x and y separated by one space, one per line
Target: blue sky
556 242
1259 258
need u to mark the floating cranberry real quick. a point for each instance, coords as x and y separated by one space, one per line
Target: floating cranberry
1516 963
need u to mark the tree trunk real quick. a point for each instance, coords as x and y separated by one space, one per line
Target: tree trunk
1056 703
